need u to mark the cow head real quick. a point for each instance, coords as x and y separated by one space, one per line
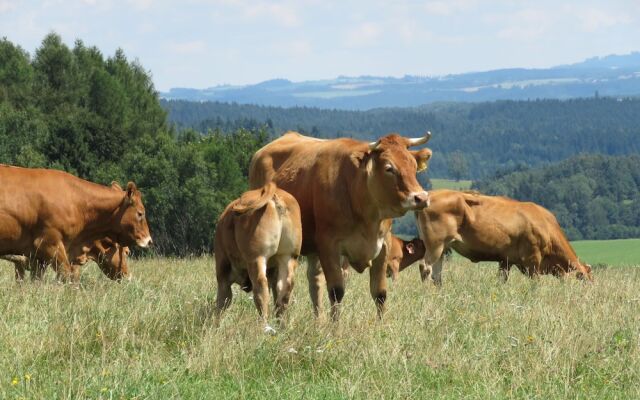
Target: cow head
113 260
134 229
583 271
391 174
411 252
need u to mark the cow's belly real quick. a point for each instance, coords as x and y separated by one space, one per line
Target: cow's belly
475 255
13 238
360 250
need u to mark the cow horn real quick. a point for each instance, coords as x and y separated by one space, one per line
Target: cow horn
374 145
421 140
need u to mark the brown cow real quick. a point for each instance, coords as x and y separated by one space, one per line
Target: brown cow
346 190
402 254
258 237
50 215
110 257
491 228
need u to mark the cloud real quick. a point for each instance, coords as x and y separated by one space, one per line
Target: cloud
593 19
7 5
527 24
190 47
363 35
449 7
141 4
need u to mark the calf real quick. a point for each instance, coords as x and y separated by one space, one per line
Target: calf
258 237
110 257
491 228
402 254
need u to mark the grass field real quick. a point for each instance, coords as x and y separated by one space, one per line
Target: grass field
450 184
609 252
153 338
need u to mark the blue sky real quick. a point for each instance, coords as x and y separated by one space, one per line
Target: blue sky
200 43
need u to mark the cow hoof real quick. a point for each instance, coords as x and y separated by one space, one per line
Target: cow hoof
269 330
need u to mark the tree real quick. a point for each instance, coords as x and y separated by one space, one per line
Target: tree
458 167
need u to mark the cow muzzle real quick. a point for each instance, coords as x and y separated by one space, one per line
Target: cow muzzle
144 243
417 200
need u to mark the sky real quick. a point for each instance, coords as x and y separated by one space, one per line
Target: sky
203 43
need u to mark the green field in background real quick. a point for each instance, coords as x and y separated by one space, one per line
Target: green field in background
610 252
450 184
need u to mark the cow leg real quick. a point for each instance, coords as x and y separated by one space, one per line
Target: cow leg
393 269
272 277
330 262
258 274
224 279
57 255
316 283
425 272
286 269
38 269
20 268
504 271
378 281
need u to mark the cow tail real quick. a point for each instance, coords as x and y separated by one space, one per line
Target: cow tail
255 199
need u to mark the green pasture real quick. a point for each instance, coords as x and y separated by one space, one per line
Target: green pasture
154 338
450 184
609 252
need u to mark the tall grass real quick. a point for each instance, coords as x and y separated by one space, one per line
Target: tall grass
473 338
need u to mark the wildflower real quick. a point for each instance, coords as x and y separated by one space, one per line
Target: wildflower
104 389
27 377
530 339
15 381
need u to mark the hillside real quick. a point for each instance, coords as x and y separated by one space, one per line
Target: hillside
615 75
489 136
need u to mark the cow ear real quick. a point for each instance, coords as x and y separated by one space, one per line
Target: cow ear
422 157
131 190
410 248
357 157
116 186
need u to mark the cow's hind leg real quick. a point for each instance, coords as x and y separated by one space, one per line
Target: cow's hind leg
258 274
332 269
425 273
20 268
225 280
286 271
316 283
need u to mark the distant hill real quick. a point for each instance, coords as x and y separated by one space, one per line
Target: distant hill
614 75
489 135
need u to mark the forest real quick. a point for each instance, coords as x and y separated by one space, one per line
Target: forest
489 136
100 118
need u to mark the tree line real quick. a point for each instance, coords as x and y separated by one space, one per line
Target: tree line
100 118
484 136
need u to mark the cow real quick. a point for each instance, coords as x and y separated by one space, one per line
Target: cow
402 254
257 243
112 259
399 255
494 228
47 215
346 189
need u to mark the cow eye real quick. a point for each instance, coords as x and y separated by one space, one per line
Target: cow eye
140 215
389 168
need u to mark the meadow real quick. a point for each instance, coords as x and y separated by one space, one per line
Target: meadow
451 184
154 338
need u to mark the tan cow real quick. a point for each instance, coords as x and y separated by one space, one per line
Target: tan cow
258 237
49 215
112 259
403 253
346 189
491 228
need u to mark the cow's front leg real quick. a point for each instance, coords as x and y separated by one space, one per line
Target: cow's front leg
330 262
20 267
378 281
56 255
504 271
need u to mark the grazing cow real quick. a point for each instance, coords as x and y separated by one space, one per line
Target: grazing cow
402 254
258 240
112 259
346 189
49 215
491 228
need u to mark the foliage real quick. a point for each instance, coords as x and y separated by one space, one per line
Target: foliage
593 196
491 135
100 119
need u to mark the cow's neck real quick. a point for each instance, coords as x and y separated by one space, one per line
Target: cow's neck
103 208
